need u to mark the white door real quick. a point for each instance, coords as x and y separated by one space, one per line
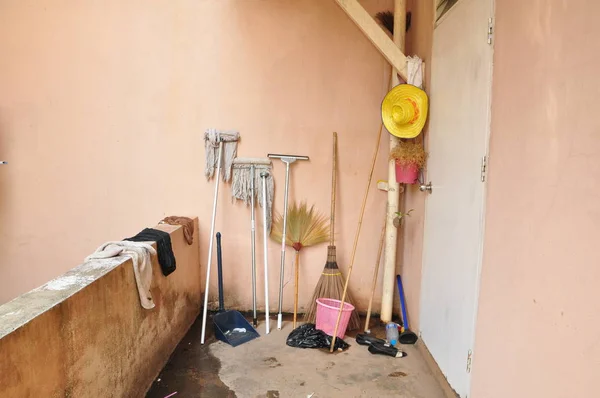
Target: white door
458 135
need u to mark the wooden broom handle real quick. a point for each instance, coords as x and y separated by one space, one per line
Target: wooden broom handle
296 287
374 284
362 213
333 186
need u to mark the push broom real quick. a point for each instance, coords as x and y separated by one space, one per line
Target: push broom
331 282
288 160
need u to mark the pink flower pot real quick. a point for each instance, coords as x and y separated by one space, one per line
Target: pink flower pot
406 174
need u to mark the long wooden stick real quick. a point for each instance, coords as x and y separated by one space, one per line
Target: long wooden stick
333 185
362 213
296 287
374 284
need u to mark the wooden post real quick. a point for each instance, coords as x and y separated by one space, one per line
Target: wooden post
391 233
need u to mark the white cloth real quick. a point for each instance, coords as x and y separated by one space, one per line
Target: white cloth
414 71
212 139
141 256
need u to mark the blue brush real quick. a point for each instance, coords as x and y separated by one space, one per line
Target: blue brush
406 337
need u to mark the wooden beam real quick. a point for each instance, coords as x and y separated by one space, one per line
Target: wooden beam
375 34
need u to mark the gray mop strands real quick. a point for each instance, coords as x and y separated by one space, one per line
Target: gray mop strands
248 175
242 187
212 139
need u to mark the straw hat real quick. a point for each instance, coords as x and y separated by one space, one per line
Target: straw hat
404 111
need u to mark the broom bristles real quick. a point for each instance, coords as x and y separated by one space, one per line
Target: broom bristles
331 285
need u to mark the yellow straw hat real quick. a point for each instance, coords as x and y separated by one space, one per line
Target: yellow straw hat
404 111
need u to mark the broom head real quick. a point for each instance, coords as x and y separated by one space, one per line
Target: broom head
331 285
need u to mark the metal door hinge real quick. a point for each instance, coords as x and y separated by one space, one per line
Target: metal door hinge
490 32
483 168
469 358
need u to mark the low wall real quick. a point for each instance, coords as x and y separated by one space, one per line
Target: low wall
85 334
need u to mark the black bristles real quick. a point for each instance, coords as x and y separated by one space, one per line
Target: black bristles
386 18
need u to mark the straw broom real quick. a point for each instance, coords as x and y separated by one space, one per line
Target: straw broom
331 282
305 227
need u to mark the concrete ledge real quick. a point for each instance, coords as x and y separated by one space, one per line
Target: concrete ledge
85 333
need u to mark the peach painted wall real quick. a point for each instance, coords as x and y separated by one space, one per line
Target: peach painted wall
537 330
103 106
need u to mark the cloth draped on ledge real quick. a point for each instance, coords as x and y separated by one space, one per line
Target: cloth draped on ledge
141 256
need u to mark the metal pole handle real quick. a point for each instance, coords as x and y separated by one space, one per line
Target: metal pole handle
263 176
220 273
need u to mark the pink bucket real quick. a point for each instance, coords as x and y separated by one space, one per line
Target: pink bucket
327 313
406 174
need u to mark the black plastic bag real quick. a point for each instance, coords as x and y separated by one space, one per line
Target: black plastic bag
308 336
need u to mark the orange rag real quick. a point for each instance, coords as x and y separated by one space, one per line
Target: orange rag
186 222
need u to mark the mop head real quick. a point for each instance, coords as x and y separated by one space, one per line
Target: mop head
331 285
212 138
241 187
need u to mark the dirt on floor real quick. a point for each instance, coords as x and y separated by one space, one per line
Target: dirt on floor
267 368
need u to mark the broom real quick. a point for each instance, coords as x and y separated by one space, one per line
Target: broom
331 282
305 227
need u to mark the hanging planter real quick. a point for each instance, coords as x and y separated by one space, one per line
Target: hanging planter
410 157
406 173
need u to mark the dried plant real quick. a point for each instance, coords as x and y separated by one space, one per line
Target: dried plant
305 227
409 152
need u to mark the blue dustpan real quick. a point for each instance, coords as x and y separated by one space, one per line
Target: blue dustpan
230 326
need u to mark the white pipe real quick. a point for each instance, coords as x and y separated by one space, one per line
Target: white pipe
263 176
253 243
391 232
210 246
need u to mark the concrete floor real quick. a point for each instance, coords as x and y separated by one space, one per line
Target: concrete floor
267 368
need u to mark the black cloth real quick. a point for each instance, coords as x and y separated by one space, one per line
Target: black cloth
164 250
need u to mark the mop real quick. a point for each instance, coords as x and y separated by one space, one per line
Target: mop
288 160
244 187
264 175
216 142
